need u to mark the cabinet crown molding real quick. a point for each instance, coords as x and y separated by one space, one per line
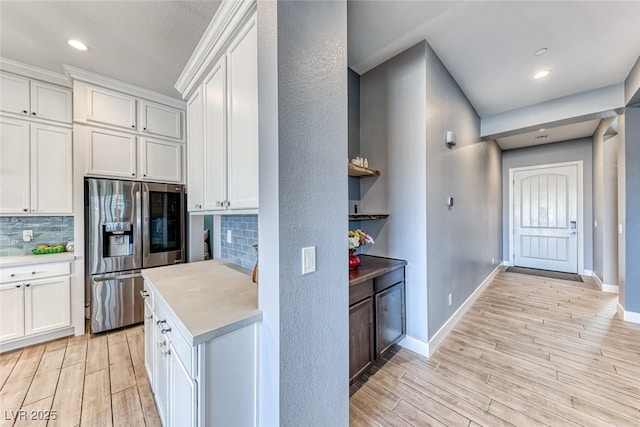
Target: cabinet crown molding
120 86
230 17
35 73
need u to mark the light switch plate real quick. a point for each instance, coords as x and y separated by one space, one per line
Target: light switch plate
27 235
308 260
229 237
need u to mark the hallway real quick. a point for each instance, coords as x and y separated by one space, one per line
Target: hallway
530 351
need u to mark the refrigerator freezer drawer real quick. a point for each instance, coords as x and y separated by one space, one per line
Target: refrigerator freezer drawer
116 300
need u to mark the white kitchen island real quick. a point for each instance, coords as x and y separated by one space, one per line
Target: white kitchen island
201 333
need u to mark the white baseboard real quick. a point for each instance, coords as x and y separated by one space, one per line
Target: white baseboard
604 287
442 333
415 345
507 263
36 339
627 316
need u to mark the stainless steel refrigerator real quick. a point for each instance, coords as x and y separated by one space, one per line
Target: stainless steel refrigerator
129 225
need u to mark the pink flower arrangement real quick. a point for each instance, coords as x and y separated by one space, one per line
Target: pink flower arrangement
358 238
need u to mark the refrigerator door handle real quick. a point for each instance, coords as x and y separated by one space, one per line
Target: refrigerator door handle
118 277
145 223
138 246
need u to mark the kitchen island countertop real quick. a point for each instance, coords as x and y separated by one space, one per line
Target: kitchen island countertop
209 298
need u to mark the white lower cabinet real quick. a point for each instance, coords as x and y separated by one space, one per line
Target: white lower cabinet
33 307
213 384
47 305
11 312
182 396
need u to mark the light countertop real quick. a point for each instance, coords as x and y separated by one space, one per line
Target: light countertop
209 298
13 261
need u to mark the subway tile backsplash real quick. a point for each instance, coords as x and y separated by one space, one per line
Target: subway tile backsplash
49 230
244 232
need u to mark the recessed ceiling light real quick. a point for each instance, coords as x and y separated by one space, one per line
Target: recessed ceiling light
541 74
541 130
542 136
77 44
541 51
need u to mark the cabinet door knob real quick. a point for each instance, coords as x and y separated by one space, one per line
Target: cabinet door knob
144 174
17 286
133 126
144 129
24 112
33 113
25 210
27 285
133 174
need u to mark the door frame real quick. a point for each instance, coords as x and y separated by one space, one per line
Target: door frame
580 230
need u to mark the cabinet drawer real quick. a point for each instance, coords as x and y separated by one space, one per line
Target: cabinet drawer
35 271
360 291
389 279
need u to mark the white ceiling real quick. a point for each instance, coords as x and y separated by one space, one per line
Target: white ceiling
145 43
488 46
560 133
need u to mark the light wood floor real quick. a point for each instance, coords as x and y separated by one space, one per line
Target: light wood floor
89 380
531 351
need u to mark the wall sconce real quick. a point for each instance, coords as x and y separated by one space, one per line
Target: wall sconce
450 139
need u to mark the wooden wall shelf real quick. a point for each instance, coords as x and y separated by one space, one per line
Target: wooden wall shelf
359 171
366 216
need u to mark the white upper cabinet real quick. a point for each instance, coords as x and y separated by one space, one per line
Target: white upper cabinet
225 155
109 107
51 169
14 166
35 99
36 168
14 97
195 151
161 120
160 160
215 161
110 153
50 102
243 120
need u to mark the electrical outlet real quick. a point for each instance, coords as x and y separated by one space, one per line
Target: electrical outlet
229 237
450 299
493 261
27 235
308 260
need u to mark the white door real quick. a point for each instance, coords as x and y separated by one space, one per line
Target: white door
161 120
14 166
110 153
545 218
215 158
195 151
111 108
51 169
160 160
50 102
243 121
11 311
14 94
47 305
182 400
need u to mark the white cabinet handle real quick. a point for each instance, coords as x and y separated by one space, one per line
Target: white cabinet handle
144 294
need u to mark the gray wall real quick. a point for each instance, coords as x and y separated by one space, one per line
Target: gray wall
622 210
559 152
605 203
354 129
393 129
631 289
304 344
460 241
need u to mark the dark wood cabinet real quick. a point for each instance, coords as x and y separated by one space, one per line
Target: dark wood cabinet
361 338
376 311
